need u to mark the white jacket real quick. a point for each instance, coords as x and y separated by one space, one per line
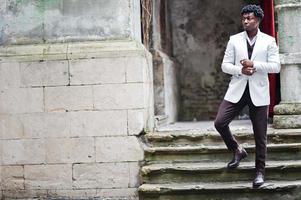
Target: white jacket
265 58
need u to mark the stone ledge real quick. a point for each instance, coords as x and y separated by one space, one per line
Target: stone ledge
68 51
290 58
210 172
202 149
288 109
203 154
288 5
214 166
165 136
287 121
215 187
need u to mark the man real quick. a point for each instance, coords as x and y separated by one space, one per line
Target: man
249 57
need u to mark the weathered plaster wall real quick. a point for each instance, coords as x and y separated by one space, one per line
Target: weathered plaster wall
71 112
200 31
38 21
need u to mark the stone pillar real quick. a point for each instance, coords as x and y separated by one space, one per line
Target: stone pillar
288 112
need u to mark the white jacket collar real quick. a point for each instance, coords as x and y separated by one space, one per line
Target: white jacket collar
251 42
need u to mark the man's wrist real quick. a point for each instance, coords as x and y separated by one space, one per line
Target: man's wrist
241 70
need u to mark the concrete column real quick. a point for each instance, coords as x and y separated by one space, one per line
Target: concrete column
288 112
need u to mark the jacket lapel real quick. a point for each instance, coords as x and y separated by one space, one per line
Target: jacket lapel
257 45
244 46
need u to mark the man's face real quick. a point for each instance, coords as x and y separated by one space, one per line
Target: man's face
250 22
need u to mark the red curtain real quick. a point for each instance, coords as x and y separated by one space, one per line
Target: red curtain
268 27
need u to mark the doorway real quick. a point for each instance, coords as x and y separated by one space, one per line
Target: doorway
187 40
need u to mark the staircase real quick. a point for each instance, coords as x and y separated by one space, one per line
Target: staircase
191 165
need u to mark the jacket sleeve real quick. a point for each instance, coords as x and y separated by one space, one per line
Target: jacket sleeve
228 65
273 63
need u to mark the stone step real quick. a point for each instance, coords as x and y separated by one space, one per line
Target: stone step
276 190
202 153
211 137
217 172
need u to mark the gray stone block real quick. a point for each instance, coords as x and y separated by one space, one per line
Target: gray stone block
70 150
34 125
119 96
9 75
118 149
98 123
101 175
98 71
25 151
68 98
48 73
21 100
48 176
12 178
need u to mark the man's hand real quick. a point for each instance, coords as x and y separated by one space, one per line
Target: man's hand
248 68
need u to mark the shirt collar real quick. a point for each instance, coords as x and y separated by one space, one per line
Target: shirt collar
251 42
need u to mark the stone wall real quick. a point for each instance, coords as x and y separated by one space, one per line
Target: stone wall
69 121
70 112
200 31
38 21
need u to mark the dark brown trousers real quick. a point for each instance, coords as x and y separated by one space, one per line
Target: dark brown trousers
258 115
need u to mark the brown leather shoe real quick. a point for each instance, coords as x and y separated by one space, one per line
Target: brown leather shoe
239 154
258 180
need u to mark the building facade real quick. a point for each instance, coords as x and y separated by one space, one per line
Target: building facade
78 87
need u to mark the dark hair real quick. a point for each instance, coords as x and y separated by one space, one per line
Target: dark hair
258 12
